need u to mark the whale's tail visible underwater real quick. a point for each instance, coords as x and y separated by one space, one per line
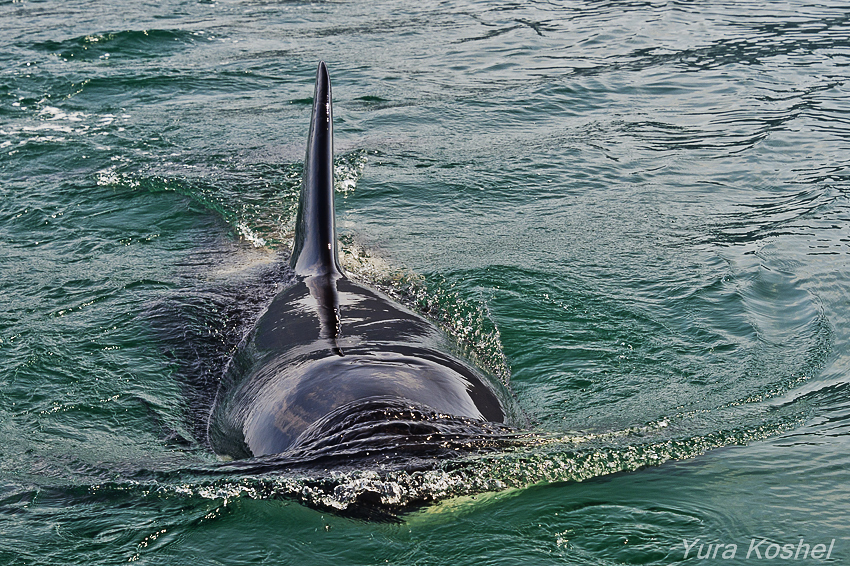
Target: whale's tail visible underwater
334 369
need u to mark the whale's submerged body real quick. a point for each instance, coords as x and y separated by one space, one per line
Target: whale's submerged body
336 365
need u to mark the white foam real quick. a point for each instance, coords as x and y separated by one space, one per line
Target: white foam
249 235
58 114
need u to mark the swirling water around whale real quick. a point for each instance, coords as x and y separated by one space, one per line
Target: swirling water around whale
636 212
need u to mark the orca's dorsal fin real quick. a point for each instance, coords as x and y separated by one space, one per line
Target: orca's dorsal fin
315 249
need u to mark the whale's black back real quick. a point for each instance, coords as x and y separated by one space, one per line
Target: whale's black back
335 363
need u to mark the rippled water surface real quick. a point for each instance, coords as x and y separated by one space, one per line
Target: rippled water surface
636 213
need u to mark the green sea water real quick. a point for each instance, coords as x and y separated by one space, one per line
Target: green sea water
635 213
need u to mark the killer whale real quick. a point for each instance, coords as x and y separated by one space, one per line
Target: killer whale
335 364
